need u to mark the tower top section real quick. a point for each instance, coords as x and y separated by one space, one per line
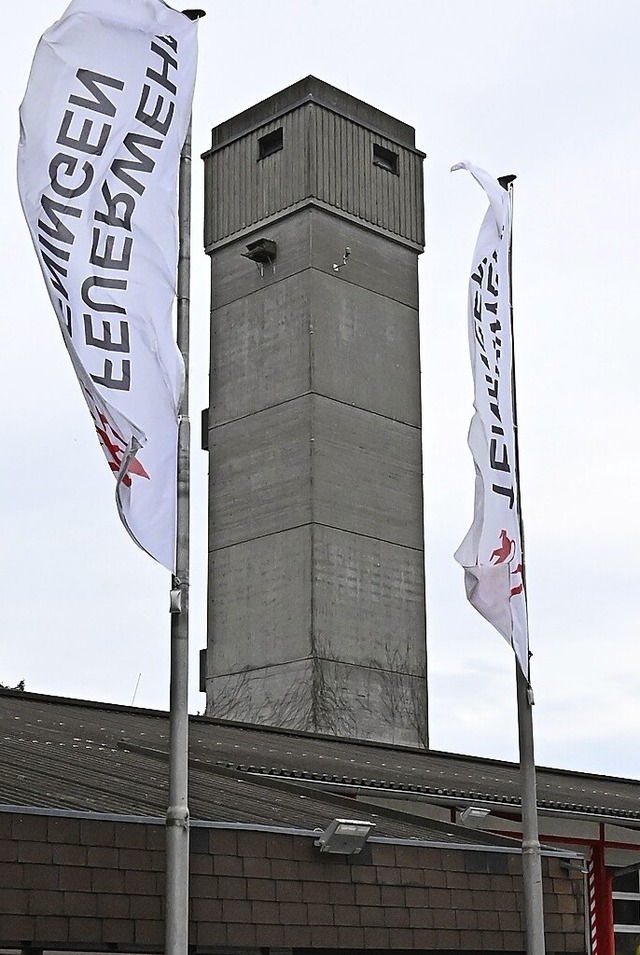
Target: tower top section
313 90
312 144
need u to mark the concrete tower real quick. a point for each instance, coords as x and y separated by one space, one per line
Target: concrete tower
314 223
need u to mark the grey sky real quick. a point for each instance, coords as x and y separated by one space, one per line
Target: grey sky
548 91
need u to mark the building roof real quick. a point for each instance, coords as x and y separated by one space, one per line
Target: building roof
312 90
83 756
76 756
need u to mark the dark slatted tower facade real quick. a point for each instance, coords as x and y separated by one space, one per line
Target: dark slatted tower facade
314 223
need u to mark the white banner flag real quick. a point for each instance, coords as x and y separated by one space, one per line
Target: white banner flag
103 121
491 552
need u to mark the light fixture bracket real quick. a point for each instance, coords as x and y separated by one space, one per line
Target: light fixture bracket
345 836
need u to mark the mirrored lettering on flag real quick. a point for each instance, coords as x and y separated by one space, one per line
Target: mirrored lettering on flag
488 335
97 173
491 552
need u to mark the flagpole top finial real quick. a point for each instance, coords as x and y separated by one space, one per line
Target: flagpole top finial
505 181
194 14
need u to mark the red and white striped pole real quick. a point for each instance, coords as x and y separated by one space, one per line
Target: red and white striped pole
600 903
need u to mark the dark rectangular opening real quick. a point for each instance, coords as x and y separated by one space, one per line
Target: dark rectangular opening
628 882
270 143
385 158
626 911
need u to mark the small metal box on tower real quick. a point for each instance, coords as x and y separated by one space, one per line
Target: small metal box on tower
314 223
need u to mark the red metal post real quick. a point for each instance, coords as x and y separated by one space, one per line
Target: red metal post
600 903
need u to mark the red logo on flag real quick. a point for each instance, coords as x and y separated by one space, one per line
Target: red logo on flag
113 444
502 554
504 551
518 587
115 447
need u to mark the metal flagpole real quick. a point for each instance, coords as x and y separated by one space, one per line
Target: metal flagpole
531 854
177 820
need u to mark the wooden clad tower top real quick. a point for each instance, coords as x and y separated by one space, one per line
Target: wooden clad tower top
312 144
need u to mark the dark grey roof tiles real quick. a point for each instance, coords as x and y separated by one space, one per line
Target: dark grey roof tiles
79 755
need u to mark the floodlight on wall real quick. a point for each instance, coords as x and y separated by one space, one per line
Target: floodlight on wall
262 252
345 836
474 815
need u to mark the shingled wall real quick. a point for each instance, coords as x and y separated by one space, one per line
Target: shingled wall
71 881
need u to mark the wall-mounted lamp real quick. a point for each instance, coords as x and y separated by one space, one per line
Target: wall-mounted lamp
262 252
474 815
340 265
345 836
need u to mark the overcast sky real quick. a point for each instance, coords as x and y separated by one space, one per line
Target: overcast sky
546 90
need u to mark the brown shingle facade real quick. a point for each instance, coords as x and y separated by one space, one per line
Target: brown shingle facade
72 881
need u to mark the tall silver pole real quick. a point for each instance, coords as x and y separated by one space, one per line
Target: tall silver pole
531 854
177 821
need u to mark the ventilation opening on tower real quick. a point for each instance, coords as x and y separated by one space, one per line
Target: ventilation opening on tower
385 158
270 143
